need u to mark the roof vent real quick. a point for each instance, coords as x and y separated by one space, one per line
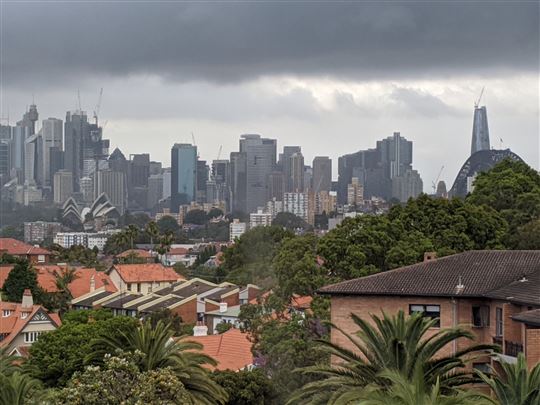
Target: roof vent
459 287
523 279
430 256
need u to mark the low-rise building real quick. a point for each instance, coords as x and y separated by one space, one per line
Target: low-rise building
142 278
21 250
236 229
260 218
494 294
22 323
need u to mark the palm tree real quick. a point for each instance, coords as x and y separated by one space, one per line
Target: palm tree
515 385
402 391
131 232
397 343
8 362
62 280
17 388
165 243
153 231
159 350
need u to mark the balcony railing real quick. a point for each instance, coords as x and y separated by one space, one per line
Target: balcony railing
512 348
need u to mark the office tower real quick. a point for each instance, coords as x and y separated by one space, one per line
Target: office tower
4 160
284 165
183 175
355 193
32 160
308 179
82 141
221 172
408 185
396 155
56 160
6 133
260 162
113 184
155 190
19 135
201 179
297 204
275 186
480 134
51 134
238 179
87 189
29 120
166 183
322 174
139 170
62 186
296 179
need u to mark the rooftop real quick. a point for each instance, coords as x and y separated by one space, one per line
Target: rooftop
231 349
486 273
529 317
232 311
147 272
144 254
17 248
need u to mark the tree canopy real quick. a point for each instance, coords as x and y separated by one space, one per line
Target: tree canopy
21 277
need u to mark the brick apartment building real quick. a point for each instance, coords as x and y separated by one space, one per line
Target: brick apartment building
494 294
21 250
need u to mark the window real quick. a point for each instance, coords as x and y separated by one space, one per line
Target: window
6 313
41 258
24 315
129 286
480 316
498 322
482 367
138 287
430 311
31 337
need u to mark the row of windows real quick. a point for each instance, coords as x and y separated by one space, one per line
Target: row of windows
480 315
31 337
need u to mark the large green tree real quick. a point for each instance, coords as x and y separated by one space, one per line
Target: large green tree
21 277
397 343
246 387
57 355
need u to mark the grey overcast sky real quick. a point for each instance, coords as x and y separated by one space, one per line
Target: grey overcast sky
332 77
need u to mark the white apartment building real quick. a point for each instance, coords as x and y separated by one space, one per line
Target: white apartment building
260 218
236 229
274 207
68 239
297 204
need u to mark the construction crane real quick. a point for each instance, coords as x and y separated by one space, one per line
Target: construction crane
219 152
434 184
477 103
98 105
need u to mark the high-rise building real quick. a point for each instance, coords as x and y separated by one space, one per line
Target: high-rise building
4 160
139 170
408 185
260 218
113 184
62 186
275 184
221 171
56 160
296 179
297 204
39 231
238 181
87 189
274 207
166 183
480 134
260 162
202 178
51 134
396 155
155 190
322 174
32 159
236 229
355 193
183 175
19 135
284 165
29 120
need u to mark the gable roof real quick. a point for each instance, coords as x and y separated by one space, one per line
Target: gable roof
231 349
146 272
79 286
17 248
528 317
477 273
144 254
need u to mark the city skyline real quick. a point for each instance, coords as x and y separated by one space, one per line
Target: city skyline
332 94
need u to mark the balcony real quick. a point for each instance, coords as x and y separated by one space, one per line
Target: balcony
512 348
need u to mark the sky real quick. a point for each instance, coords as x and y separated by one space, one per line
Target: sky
332 77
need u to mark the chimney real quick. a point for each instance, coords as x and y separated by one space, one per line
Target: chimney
200 329
92 283
27 299
222 307
430 256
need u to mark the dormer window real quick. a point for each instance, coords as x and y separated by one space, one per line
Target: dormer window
24 315
6 313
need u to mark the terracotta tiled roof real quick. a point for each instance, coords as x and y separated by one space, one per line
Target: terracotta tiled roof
468 274
178 251
145 254
301 301
136 273
17 248
232 349
79 286
14 323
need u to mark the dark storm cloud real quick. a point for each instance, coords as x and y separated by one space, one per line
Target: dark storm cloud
220 42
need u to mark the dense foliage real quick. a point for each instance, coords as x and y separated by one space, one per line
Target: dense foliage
246 387
21 277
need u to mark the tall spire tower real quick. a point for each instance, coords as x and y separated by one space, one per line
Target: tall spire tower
480 133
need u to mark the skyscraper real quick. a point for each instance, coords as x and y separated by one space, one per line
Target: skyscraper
480 134
113 184
395 154
296 179
322 174
238 181
62 186
284 165
32 160
260 162
51 134
183 174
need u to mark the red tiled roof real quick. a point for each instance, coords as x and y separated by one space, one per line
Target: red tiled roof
178 251
136 273
232 349
301 301
145 254
80 286
17 248
13 324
